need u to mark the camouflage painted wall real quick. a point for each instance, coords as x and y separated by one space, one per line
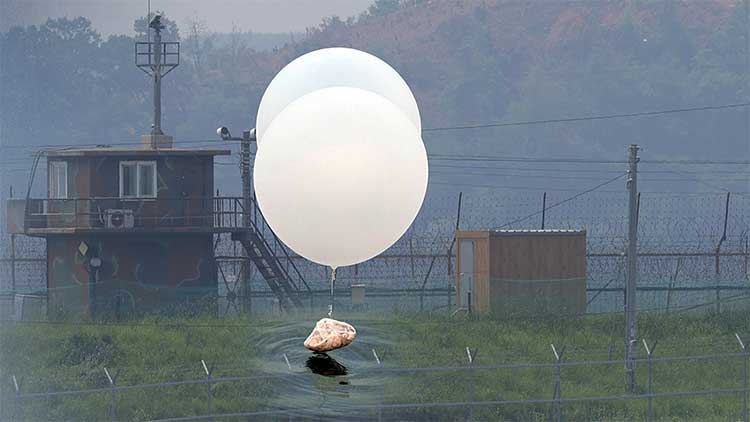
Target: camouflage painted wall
142 272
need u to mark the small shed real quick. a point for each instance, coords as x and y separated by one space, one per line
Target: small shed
510 272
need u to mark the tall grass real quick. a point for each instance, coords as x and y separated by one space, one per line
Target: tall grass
70 356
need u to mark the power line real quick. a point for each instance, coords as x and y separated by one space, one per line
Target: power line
445 128
469 173
518 220
587 118
575 169
489 158
726 177
506 187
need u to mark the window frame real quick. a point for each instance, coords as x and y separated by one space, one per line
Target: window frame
54 182
138 164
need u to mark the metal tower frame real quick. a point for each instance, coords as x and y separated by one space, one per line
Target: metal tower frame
157 58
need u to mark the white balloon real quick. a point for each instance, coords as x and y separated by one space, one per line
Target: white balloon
342 175
330 67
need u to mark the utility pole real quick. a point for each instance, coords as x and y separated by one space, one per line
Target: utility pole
632 280
247 137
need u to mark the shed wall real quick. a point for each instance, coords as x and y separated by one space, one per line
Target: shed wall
538 273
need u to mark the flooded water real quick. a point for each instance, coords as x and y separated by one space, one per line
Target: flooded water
324 386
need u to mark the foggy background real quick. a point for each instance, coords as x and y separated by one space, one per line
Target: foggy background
115 17
492 79
526 106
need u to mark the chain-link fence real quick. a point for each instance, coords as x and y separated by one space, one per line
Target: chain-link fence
683 261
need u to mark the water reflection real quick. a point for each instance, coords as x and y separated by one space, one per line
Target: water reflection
327 386
322 364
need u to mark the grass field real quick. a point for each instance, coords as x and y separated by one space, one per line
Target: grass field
70 356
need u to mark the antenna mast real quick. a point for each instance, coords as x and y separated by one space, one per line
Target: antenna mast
156 59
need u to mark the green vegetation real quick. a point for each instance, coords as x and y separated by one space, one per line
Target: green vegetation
53 357
70 356
593 338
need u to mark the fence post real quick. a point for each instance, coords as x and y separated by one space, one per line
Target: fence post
13 263
290 415
747 255
450 292
113 398
382 390
558 393
209 393
672 279
718 254
743 346
424 282
411 252
472 358
649 353
453 242
16 397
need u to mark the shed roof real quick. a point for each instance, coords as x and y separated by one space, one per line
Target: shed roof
144 152
538 232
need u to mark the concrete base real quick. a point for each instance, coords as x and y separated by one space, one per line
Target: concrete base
157 141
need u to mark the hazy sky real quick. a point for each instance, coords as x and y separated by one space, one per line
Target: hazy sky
117 16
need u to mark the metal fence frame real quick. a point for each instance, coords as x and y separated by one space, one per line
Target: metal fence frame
556 403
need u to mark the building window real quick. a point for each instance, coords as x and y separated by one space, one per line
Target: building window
138 179
58 180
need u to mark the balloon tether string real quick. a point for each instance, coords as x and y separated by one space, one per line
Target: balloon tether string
333 279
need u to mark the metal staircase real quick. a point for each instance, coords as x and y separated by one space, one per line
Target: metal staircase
285 282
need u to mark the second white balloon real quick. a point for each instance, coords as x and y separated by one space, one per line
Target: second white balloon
329 67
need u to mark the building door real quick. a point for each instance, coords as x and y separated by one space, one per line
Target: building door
466 268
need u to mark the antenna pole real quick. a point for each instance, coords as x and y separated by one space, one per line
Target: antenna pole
156 59
157 79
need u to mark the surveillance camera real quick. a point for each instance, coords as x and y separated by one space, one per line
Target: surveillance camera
223 133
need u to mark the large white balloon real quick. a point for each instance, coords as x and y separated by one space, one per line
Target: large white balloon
342 175
330 67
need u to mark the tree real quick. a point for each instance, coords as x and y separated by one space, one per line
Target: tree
384 7
198 45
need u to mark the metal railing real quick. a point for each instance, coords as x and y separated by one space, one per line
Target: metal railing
278 250
94 213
